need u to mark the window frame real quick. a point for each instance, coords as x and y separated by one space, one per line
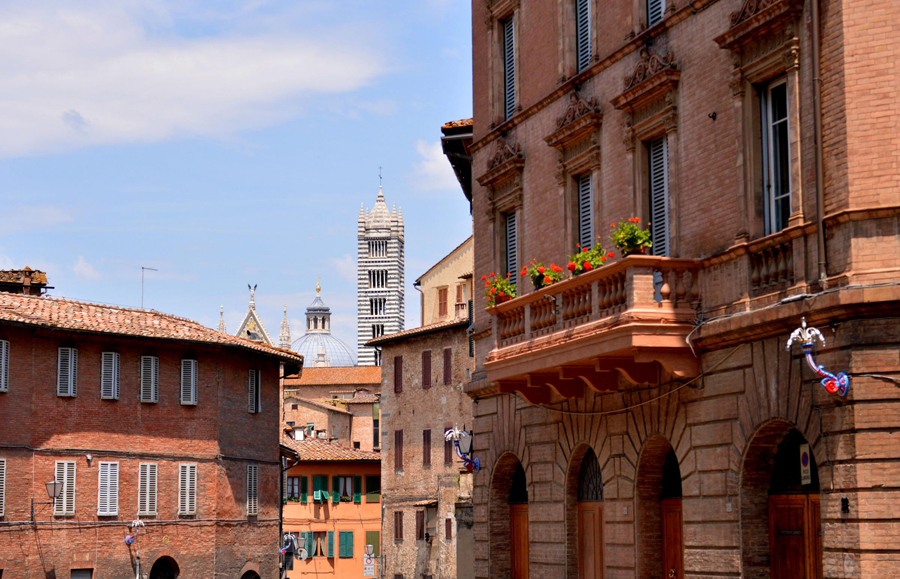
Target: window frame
4 365
398 451
398 374
111 486
148 492
65 505
109 384
252 490
426 370
398 526
153 378
194 372
3 471
188 477
254 396
67 387
768 158
509 73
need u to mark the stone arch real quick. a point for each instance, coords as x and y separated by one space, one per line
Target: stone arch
658 478
506 477
164 567
250 570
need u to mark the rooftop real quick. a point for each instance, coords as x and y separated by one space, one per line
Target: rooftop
312 449
334 376
65 314
420 331
324 404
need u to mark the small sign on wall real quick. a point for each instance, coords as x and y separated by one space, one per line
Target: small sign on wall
805 471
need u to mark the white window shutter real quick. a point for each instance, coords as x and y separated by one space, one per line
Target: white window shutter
67 372
509 67
147 489
512 247
182 489
189 382
2 487
192 488
253 392
108 489
65 473
583 33
585 211
655 11
109 375
659 196
4 366
149 379
252 489
187 489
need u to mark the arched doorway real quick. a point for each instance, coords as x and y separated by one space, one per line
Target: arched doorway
164 568
509 520
781 527
659 523
590 518
250 575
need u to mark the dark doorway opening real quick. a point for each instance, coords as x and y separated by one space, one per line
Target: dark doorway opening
164 568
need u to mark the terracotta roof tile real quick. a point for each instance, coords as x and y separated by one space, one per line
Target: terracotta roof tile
312 449
336 376
459 123
416 332
65 314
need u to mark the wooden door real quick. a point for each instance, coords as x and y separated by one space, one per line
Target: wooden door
518 531
672 539
788 544
590 540
814 508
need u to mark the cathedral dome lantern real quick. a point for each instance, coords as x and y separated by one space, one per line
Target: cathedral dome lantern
317 346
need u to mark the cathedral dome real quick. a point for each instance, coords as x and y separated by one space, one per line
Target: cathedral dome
317 346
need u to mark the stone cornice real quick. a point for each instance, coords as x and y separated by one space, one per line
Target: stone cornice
580 119
756 19
653 77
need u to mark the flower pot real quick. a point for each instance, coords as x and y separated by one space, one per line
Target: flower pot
501 299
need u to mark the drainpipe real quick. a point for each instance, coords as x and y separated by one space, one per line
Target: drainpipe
820 173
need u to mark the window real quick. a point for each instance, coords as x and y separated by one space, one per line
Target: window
252 489
448 452
398 450
109 375
471 335
420 525
108 489
355 445
378 249
2 487
460 293
81 574
377 330
655 11
442 302
147 474
509 66
448 529
378 278
398 374
448 366
585 211
292 488
376 425
398 525
345 544
342 489
583 33
187 489
510 245
373 489
659 195
426 447
374 538
320 544
4 366
377 356
149 379
253 381
426 369
67 372
776 155
320 489
189 382
65 473
294 407
377 306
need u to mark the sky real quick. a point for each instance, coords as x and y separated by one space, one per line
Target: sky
227 143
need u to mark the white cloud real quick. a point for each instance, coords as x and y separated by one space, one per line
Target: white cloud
112 72
20 218
345 267
83 269
434 170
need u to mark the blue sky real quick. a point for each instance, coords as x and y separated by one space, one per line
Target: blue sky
226 143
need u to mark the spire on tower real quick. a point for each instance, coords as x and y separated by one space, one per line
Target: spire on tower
284 338
318 285
221 326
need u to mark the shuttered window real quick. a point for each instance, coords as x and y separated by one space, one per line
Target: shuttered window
426 447
420 525
511 246
655 11
374 538
67 372
109 375
149 379
65 473
448 529
108 489
189 382
583 33
398 525
448 366
4 366
252 489
373 489
442 302
345 544
253 401
659 195
2 487
448 452
147 476
398 450
585 211
426 369
398 374
776 155
468 330
187 489
509 67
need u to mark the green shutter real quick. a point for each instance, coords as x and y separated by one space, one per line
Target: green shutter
345 544
308 544
335 489
331 544
376 411
357 489
324 485
374 538
373 489
317 488
304 488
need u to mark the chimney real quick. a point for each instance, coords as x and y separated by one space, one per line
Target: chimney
30 282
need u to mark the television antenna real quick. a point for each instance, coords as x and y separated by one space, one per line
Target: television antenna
143 269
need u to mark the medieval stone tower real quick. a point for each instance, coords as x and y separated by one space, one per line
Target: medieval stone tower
379 278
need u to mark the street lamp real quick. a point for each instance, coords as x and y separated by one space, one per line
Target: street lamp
370 550
465 444
54 491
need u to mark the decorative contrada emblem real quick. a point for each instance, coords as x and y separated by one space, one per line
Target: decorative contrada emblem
834 383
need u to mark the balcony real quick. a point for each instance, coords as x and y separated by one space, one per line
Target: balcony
628 319
462 311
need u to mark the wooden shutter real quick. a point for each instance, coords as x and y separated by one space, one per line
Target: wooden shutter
448 452
655 11
448 366
330 554
398 525
420 525
585 211
4 366
448 529
147 476
67 372
583 33
336 489
509 67
304 490
512 245
109 375
65 473
374 538
442 302
253 402
149 379
373 489
108 489
317 488
189 382
252 489
2 487
398 374
426 369
426 447
345 544
398 450
357 489
187 489
659 196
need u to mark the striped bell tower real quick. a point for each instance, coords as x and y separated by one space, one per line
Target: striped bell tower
380 277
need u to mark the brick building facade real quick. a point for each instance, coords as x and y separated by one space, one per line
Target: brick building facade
645 419
140 415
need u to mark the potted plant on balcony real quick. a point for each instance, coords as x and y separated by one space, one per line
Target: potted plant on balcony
497 289
588 258
630 238
541 275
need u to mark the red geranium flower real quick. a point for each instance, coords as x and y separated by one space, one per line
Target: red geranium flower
571 266
610 255
547 279
541 269
524 271
637 219
484 277
493 290
612 224
584 250
587 266
577 245
492 274
501 293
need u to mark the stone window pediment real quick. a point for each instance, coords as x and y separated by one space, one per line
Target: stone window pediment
582 117
762 37
653 77
506 161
